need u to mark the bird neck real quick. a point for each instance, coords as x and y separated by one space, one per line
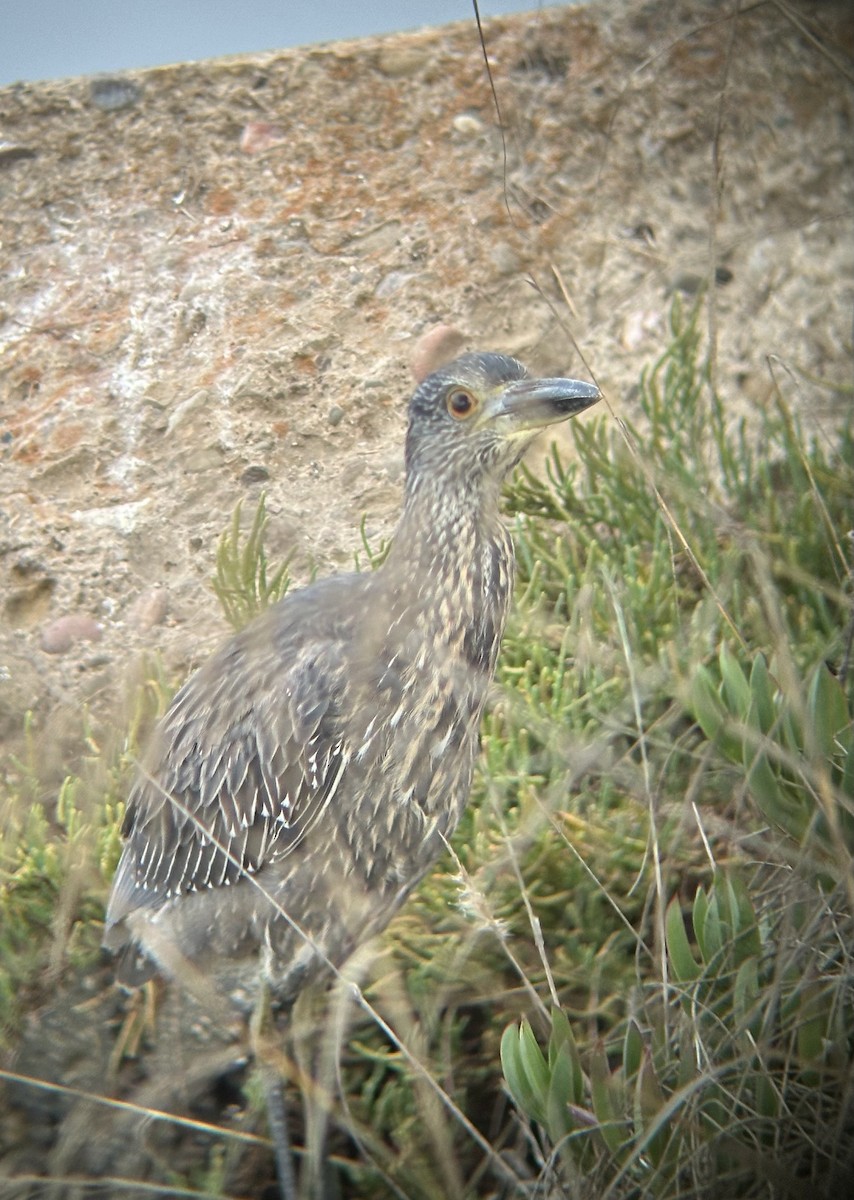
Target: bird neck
453 563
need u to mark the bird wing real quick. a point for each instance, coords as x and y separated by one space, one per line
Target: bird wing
248 755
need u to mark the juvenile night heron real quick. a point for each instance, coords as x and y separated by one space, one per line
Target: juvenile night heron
308 775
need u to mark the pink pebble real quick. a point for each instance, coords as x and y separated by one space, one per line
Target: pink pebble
435 348
61 634
149 608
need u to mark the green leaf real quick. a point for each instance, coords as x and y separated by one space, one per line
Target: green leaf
740 916
561 1032
828 710
781 806
562 1039
535 1072
745 993
698 919
793 738
633 1047
711 715
714 935
610 1125
736 689
708 710
685 967
649 1100
762 713
558 1119
515 1074
744 914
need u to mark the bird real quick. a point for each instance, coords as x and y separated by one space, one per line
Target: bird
310 773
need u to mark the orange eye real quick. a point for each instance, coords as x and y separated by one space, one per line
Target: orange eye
461 404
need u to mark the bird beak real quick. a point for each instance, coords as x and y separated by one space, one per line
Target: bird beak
535 403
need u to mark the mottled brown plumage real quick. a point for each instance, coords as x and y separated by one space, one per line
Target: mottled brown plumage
308 775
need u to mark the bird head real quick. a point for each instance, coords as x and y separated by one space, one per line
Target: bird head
479 414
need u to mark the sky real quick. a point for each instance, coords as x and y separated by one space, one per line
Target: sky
51 39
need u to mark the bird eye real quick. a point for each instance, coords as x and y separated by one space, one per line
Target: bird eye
461 404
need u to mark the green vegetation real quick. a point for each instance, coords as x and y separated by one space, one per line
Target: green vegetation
241 582
632 976
58 853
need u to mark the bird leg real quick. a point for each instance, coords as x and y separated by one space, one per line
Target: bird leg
139 1020
266 1050
277 1121
318 1179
